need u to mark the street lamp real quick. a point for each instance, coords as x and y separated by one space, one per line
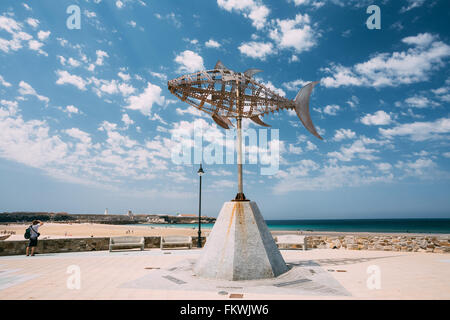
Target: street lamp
200 172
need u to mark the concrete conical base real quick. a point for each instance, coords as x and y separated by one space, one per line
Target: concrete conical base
240 246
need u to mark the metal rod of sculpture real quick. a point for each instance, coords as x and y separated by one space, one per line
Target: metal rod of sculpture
240 195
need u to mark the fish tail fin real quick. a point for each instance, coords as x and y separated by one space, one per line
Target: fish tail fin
301 102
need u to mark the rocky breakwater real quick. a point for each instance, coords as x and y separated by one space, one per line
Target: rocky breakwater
405 243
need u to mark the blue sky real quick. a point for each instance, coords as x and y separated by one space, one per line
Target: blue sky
86 120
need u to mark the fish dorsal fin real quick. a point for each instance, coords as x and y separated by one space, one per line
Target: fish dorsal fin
251 72
221 121
219 65
258 120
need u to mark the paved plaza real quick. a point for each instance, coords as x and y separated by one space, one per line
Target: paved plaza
156 274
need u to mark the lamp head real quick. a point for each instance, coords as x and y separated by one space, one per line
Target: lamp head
200 171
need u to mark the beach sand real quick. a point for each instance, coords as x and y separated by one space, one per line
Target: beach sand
82 230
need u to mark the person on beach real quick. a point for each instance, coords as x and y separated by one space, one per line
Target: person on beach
34 236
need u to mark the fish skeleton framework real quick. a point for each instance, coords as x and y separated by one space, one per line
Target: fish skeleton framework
225 94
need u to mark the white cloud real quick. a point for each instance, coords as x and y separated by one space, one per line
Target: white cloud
29 142
393 69
294 33
357 149
4 83
308 175
315 4
252 9
62 60
258 14
43 35
124 76
74 63
412 4
422 168
11 108
343 134
383 166
33 22
257 50
294 149
101 55
17 35
132 23
189 61
419 131
295 85
127 120
144 102
65 77
379 118
446 154
353 102
26 89
36 46
331 110
270 86
212 44
79 134
126 89
73 157
192 111
173 18
90 14
293 58
420 102
422 39
161 76
71 109
9 24
119 4
109 87
310 146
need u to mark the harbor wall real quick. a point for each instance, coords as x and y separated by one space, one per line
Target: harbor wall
402 243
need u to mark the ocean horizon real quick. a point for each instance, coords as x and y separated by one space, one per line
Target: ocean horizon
438 225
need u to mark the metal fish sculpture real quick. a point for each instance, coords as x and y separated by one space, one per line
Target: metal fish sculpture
225 94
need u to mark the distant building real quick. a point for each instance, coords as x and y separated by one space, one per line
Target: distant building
186 215
155 220
130 214
106 211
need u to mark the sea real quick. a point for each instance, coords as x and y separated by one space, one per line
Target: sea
346 225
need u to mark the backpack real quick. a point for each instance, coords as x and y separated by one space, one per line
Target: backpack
27 234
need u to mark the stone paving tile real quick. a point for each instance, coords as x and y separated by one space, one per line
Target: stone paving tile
104 275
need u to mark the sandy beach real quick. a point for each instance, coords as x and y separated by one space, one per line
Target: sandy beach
82 230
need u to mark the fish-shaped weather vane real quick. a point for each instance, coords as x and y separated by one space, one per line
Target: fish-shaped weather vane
225 94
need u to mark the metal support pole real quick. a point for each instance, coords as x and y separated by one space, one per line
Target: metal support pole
239 151
199 240
240 195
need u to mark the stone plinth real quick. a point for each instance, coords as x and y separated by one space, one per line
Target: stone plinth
240 246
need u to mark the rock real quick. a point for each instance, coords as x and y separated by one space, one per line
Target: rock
442 250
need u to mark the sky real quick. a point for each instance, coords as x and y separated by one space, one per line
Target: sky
87 122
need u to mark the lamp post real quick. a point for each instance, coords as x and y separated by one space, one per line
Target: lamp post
200 173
